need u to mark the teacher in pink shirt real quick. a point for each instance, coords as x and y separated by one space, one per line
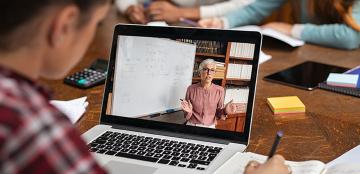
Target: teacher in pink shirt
204 101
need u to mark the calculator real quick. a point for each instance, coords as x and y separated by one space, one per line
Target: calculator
89 77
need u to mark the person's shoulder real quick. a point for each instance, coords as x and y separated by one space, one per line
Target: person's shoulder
218 88
193 86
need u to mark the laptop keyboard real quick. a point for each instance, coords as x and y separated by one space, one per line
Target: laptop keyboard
163 151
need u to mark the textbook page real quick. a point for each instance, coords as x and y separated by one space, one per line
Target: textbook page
74 109
236 164
352 155
348 168
274 34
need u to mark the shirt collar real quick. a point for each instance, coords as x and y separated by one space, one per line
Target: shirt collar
19 78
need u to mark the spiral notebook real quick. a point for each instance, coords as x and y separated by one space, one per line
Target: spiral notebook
344 90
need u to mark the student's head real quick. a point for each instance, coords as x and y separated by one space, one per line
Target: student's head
207 70
334 11
57 30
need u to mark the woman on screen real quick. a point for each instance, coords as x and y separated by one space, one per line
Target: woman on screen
204 101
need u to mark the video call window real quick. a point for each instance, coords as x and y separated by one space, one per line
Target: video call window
152 79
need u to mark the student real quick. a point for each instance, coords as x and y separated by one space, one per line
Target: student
42 39
333 23
46 39
172 10
204 101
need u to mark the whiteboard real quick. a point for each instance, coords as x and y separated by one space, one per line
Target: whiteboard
151 75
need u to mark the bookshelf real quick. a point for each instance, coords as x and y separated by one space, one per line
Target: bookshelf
234 62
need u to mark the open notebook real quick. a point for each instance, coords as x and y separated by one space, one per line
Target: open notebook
236 165
274 34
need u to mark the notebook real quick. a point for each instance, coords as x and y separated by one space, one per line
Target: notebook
344 90
273 34
236 165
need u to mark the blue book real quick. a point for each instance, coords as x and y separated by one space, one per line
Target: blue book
355 70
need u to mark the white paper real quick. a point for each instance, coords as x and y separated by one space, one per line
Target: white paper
74 109
264 57
237 163
157 23
348 168
273 33
352 156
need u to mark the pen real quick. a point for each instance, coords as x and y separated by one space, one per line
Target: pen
279 135
181 100
190 22
147 4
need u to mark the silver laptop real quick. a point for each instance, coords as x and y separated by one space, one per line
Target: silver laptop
143 129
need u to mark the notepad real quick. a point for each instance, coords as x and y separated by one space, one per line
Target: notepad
343 80
274 34
286 105
236 165
74 109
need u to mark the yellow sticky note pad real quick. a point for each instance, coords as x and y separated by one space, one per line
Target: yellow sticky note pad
286 105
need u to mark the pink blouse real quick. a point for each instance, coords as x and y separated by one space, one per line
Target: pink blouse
207 104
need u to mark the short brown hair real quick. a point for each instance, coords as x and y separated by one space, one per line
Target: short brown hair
15 13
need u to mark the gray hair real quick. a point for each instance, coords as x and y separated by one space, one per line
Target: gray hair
205 62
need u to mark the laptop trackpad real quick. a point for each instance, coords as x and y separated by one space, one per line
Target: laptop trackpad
116 167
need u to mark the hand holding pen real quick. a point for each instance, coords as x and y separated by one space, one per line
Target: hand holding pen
275 164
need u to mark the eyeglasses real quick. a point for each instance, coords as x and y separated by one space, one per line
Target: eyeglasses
209 71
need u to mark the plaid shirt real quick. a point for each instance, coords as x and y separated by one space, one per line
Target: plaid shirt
34 136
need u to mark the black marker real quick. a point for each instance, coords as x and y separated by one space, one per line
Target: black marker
279 135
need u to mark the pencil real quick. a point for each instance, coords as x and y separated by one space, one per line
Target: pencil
279 135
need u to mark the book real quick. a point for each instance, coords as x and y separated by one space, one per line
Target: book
343 80
236 165
273 34
286 105
344 90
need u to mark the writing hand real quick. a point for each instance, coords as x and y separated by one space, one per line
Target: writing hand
136 14
281 27
211 23
164 11
275 165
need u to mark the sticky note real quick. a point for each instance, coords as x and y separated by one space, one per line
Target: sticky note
344 80
286 105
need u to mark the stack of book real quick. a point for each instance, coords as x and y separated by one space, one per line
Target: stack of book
239 71
208 47
242 50
220 70
286 105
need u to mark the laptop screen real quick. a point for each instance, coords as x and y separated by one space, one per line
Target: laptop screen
193 81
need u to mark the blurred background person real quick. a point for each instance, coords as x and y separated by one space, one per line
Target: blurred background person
333 23
170 11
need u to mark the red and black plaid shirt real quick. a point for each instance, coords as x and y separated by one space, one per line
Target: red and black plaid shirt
34 136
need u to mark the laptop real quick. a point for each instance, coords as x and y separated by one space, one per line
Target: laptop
142 127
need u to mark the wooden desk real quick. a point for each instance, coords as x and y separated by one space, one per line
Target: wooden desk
330 126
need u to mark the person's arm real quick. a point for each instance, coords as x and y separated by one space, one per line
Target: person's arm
169 12
222 8
254 13
188 114
42 142
333 35
220 109
123 5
